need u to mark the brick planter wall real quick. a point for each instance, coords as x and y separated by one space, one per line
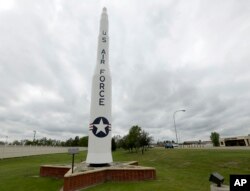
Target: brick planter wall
83 180
53 171
87 179
80 180
130 174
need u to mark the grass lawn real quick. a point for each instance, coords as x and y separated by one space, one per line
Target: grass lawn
176 170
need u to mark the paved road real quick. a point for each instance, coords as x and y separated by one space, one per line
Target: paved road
19 151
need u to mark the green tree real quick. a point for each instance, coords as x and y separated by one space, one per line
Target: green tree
134 137
113 144
28 142
215 138
144 140
123 143
16 142
83 142
118 140
76 141
69 142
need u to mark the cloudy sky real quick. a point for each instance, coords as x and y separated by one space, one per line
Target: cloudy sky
164 56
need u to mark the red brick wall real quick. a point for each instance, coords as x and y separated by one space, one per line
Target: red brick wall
90 178
83 180
78 181
131 175
53 171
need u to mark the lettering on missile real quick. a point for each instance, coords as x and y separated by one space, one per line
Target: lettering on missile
101 87
103 56
102 77
103 52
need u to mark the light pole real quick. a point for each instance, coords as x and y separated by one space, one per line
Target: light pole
34 136
183 110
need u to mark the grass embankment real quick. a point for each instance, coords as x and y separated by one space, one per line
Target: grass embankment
176 169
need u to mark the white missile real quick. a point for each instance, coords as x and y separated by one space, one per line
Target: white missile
99 143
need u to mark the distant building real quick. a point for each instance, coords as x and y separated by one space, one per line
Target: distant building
197 144
235 141
191 142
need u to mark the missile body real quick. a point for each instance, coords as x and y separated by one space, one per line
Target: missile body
99 142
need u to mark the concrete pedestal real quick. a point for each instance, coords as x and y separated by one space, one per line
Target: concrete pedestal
214 187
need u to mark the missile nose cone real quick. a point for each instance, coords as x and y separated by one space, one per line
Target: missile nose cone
104 10
104 21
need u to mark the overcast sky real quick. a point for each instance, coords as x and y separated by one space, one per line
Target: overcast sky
164 56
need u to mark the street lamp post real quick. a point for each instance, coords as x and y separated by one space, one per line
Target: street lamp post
183 110
34 136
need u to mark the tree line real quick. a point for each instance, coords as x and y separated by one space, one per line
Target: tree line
136 139
77 141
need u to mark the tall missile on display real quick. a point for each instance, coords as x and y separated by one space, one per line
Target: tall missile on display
99 143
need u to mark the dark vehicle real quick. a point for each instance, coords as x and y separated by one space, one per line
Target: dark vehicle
169 146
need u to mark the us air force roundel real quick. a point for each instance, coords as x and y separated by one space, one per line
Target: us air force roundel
100 127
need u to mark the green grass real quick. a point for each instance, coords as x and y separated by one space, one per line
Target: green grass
22 174
176 170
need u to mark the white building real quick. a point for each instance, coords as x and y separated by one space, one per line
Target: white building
235 141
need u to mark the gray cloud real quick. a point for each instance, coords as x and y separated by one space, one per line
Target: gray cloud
164 56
